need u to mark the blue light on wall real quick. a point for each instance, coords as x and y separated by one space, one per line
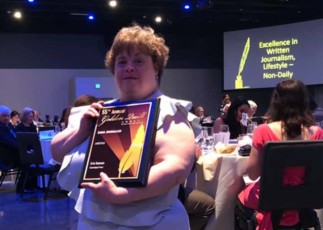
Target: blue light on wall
187 6
90 16
98 86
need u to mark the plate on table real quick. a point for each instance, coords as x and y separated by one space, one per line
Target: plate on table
226 149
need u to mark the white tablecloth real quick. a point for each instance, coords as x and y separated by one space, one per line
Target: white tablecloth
220 176
47 152
47 155
45 147
320 216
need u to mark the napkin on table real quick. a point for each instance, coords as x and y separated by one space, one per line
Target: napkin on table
208 164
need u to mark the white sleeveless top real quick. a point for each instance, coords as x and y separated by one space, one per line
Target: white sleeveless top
145 212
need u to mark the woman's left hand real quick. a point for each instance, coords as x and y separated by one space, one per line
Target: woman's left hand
106 190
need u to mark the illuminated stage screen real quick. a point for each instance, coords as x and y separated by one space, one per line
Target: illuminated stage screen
263 57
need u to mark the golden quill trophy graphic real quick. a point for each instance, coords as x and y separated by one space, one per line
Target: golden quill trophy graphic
133 154
239 81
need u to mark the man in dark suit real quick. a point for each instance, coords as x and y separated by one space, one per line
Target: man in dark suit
204 120
9 153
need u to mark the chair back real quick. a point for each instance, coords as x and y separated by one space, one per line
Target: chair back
282 154
29 148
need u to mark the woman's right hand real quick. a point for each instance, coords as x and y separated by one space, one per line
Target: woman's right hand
89 117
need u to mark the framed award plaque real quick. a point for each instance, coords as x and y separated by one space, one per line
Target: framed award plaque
122 143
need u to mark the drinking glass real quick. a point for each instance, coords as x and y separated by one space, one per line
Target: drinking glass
251 128
225 133
208 140
224 128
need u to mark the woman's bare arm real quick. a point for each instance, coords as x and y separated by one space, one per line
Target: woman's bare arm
254 164
175 149
69 138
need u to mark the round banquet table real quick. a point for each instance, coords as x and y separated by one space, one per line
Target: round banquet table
220 176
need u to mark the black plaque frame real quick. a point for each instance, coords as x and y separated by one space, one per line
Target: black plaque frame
124 134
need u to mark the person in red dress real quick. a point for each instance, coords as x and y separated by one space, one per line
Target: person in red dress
290 119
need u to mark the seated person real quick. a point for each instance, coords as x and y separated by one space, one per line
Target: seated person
26 124
63 122
79 101
56 119
14 119
204 119
84 100
36 119
251 114
199 205
289 95
226 102
48 121
233 118
9 153
252 110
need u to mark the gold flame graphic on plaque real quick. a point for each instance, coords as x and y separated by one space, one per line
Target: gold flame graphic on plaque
239 81
132 155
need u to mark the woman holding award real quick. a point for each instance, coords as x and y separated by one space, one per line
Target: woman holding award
137 59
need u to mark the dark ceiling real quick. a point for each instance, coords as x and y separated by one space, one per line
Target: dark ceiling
65 16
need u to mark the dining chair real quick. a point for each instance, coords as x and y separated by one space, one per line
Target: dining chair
276 196
8 171
31 159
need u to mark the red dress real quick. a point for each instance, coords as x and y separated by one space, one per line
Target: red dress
249 196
